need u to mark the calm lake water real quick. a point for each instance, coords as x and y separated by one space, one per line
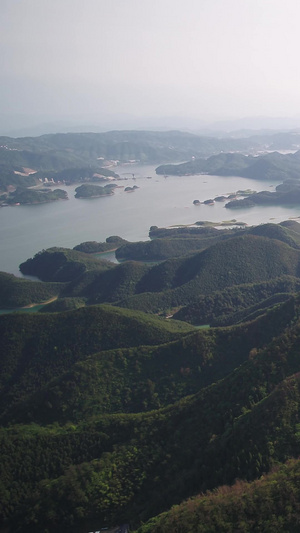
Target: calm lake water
159 201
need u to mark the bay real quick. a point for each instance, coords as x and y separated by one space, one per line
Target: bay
159 201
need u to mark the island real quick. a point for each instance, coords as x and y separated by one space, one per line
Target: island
23 196
272 166
94 191
287 193
131 189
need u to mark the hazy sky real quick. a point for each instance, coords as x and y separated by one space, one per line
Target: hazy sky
211 59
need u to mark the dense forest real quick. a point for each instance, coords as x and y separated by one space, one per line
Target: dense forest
116 407
273 165
93 191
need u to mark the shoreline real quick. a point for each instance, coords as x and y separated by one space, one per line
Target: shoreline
29 306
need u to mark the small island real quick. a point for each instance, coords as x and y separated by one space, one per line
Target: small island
131 189
287 193
94 191
23 196
232 196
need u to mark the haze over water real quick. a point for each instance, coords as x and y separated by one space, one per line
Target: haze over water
160 201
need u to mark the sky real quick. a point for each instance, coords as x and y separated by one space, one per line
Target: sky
149 60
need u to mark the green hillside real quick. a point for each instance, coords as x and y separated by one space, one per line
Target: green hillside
164 248
137 378
63 304
38 348
18 292
61 264
61 151
119 468
111 415
92 247
269 166
223 262
281 232
41 196
269 504
93 191
110 285
178 282
230 305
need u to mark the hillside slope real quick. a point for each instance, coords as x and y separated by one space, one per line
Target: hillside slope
130 379
268 166
129 467
178 282
37 348
269 504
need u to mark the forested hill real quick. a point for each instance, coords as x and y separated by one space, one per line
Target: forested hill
180 284
106 464
111 415
269 166
70 150
61 151
268 504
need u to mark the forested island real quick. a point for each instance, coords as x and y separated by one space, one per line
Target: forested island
274 166
93 191
32 196
287 193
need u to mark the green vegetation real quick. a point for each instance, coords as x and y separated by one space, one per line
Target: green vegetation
37 349
110 415
273 166
93 191
269 504
18 292
290 197
63 304
34 196
233 222
230 306
129 467
160 249
62 151
131 189
93 247
205 229
61 264
178 281
9 177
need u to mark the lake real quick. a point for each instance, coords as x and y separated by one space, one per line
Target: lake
159 201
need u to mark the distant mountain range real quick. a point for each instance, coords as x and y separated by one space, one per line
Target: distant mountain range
22 125
61 151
